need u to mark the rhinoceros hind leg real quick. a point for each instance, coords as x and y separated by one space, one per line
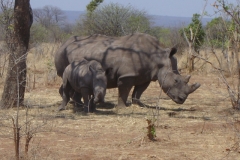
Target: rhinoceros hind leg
61 90
65 96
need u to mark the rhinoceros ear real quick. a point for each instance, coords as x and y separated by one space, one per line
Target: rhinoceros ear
173 51
194 87
91 69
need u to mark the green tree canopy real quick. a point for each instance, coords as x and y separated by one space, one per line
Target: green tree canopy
195 32
216 31
93 5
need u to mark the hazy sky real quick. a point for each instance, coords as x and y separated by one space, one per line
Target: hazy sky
180 8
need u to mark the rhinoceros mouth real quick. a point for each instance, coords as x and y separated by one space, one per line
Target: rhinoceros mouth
177 99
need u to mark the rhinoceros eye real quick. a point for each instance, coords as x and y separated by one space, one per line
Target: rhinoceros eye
176 80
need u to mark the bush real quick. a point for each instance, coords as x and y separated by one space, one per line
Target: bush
114 20
38 33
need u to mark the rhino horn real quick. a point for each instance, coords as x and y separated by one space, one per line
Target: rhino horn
187 78
193 87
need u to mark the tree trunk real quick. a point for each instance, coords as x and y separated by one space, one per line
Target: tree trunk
236 50
18 46
190 59
190 64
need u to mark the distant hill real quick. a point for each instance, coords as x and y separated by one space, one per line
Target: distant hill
163 21
169 21
72 16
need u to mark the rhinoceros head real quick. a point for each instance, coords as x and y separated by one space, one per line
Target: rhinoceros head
176 87
99 84
173 84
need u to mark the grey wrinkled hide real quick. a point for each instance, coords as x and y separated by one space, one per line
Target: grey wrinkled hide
135 60
87 78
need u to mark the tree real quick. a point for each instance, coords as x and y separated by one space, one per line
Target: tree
216 31
49 16
93 5
195 32
6 28
194 35
38 33
114 20
49 22
231 11
6 18
15 82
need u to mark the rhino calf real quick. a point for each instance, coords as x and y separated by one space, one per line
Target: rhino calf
87 78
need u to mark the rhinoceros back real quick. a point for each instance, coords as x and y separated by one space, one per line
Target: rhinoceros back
61 59
127 55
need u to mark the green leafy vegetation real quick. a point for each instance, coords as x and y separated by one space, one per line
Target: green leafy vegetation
113 20
218 31
93 5
151 130
195 32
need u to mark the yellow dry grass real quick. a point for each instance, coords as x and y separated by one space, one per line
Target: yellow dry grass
204 127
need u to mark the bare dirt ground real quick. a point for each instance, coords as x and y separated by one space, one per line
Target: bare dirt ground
204 127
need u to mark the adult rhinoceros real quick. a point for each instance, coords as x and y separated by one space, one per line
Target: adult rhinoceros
134 60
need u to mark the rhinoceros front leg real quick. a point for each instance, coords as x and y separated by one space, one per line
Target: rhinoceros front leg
65 95
137 92
76 97
89 106
124 87
92 106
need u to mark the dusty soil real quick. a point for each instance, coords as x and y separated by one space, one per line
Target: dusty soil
204 127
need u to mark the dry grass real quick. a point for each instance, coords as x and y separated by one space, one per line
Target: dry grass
204 127
203 67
